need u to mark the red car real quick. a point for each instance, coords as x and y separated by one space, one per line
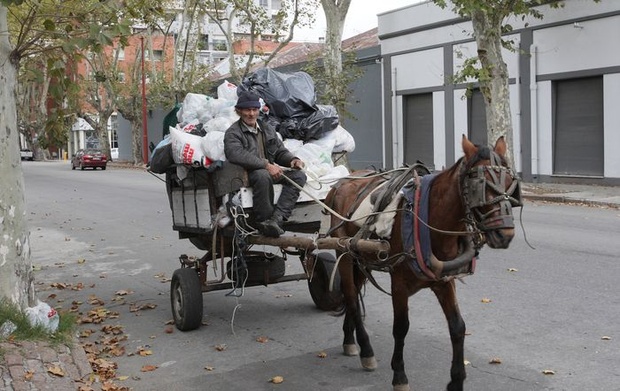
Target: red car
89 158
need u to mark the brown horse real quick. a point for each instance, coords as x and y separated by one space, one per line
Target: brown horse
468 205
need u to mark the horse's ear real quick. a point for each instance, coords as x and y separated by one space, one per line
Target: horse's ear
468 148
500 146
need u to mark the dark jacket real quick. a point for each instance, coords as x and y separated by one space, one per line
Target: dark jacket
241 147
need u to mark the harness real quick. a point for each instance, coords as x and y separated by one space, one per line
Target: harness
416 238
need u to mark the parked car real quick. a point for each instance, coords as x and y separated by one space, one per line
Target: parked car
89 158
26 154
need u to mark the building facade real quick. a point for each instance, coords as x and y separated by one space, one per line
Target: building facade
564 90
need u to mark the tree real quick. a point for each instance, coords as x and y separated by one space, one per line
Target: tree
488 68
255 22
335 15
42 28
16 278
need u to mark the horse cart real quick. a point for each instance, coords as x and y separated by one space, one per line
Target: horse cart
212 209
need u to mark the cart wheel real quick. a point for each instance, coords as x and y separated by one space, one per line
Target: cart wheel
186 299
319 284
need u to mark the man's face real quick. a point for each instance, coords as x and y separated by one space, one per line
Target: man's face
248 116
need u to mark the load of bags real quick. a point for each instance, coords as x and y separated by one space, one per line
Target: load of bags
310 131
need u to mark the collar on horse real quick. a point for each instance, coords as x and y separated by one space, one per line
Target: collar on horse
416 237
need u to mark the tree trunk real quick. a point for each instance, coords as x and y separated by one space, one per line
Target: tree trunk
495 87
335 15
137 134
16 278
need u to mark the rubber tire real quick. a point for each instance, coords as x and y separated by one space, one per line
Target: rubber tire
103 168
82 167
186 299
319 285
72 166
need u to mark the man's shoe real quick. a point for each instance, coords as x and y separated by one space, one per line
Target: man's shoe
270 228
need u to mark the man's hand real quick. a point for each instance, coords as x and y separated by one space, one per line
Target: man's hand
274 170
297 164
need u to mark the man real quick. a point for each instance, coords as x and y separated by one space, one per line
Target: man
255 146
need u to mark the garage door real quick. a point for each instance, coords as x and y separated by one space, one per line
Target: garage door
418 137
578 127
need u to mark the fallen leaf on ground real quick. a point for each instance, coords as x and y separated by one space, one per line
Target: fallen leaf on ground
123 292
485 300
220 348
148 368
262 339
495 360
322 355
209 368
548 372
28 375
606 338
276 379
466 362
56 370
512 269
169 330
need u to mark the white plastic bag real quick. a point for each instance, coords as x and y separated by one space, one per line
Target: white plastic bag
187 148
343 140
43 315
194 107
227 91
318 159
213 145
218 124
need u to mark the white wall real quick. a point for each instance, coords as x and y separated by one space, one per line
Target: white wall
611 123
419 69
567 49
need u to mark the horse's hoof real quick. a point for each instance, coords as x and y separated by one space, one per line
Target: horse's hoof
369 363
350 350
401 387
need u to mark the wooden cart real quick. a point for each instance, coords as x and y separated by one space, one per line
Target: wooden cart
203 201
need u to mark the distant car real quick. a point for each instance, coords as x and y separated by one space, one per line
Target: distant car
26 154
89 158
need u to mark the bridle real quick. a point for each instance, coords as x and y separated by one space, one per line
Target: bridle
486 185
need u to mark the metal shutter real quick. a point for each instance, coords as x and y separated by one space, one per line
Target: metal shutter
578 127
418 121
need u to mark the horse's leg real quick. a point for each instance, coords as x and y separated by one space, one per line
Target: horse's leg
349 292
367 355
400 306
446 294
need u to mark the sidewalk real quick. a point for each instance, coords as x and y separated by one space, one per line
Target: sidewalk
30 365
38 366
606 196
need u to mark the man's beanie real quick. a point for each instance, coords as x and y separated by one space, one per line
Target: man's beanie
248 100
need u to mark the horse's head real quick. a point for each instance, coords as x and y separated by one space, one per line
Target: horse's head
490 190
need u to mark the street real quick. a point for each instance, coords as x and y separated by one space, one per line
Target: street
104 239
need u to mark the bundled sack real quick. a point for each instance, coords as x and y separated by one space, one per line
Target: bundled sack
227 91
311 127
43 315
187 149
195 107
161 158
287 94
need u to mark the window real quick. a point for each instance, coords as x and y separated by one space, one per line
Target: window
120 77
264 4
157 55
203 42
120 51
219 45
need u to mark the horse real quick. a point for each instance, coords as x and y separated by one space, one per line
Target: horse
468 205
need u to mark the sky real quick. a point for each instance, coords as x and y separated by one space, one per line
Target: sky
361 17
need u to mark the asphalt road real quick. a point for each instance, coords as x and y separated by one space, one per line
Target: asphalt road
555 307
